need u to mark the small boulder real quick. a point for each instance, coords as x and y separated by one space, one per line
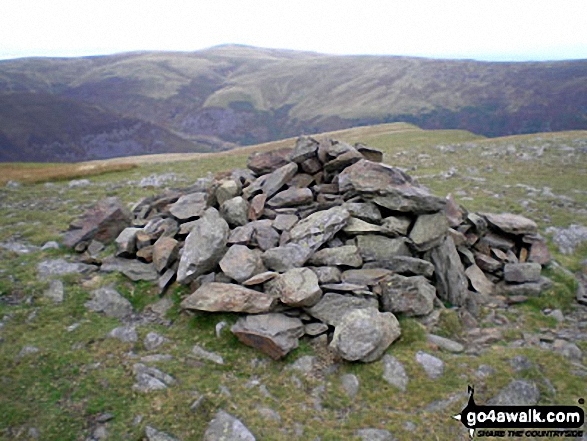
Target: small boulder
225 427
296 287
227 297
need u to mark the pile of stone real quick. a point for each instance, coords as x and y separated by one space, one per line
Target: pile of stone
319 239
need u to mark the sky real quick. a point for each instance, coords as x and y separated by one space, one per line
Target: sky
495 30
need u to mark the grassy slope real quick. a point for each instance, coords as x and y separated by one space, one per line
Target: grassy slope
79 375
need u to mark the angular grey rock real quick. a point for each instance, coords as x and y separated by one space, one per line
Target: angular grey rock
227 297
428 231
394 372
364 334
532 289
347 255
55 292
497 241
412 296
521 272
304 364
265 162
451 281
517 393
241 263
314 329
190 206
235 211
487 263
445 343
265 236
511 223
273 334
285 222
126 334
153 434
165 251
286 257
370 153
357 226
405 265
291 197
133 269
204 246
568 239
568 350
126 244
369 277
374 435
350 384
296 287
332 307
201 354
260 278
381 248
149 379
60 267
366 211
479 281
227 189
433 366
225 427
153 340
327 274
396 225
277 179
318 228
109 302
305 148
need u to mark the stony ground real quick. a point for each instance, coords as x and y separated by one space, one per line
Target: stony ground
69 372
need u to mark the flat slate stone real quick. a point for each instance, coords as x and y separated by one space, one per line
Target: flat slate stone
347 255
133 269
332 307
109 302
296 287
227 297
511 223
189 206
318 228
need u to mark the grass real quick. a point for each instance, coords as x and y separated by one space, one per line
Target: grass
77 376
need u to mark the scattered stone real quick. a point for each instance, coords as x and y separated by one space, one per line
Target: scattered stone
273 334
375 435
55 292
356 226
409 266
156 435
568 239
350 384
133 269
153 341
27 350
394 372
568 350
434 367
396 225
285 222
202 354
327 274
225 427
517 393
109 302
445 343
521 363
150 379
126 334
59 267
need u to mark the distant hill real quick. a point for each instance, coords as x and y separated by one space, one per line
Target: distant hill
219 98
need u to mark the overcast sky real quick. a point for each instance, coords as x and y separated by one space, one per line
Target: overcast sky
498 30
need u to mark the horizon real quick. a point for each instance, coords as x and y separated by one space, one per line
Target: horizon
494 31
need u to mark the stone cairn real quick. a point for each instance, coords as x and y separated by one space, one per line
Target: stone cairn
319 239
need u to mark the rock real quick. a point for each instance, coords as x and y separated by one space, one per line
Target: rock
158 227
364 334
369 153
55 292
156 435
60 267
265 236
381 248
394 372
479 281
260 278
51 245
27 350
374 435
487 263
350 385
369 277
404 265
348 288
109 302
327 274
227 189
296 287
305 148
190 206
153 340
521 272
304 364
286 257
241 263
126 334
103 222
357 226
521 363
202 354
434 367
568 239
149 379
412 296
266 162
204 247
145 254
133 269
225 427
344 255
311 165
285 222
273 334
346 155
517 393
396 225
257 206
318 228
366 211
451 281
274 181
228 297
314 329
539 253
558 315
568 350
445 343
428 231
126 242
454 213
165 253
532 289
166 279
235 211
332 307
511 223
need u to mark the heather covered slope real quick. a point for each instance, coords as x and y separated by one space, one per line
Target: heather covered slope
231 95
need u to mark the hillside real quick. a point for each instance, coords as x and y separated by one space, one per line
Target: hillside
236 95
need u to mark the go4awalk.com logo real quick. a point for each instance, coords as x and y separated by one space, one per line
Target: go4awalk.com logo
522 421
